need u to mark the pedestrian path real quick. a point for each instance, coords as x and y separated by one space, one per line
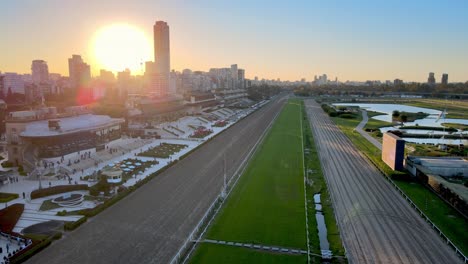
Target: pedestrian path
256 246
360 130
32 217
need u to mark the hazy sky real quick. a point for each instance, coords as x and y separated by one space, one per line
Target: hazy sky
353 40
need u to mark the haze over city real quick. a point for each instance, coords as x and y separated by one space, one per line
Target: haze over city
363 40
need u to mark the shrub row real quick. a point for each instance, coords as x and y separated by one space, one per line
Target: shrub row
73 225
329 110
57 189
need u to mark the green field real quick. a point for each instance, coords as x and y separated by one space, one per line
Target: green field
211 253
267 205
452 224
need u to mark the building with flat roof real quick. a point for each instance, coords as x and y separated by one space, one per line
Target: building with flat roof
445 176
44 133
393 150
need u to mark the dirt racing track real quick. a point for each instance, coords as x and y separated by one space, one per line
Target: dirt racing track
377 225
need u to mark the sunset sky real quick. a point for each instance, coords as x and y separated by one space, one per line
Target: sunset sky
353 40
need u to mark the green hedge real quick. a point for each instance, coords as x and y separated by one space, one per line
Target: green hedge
57 189
73 225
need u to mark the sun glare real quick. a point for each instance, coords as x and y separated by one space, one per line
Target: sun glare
120 46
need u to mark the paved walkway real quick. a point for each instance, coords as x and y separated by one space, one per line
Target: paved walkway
255 246
366 135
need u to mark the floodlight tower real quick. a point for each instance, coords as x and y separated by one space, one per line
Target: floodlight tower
223 190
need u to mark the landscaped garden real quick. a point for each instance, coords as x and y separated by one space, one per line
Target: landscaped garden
220 123
201 132
163 151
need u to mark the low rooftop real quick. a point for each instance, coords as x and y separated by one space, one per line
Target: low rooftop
69 125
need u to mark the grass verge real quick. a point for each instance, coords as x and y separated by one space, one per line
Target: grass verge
316 184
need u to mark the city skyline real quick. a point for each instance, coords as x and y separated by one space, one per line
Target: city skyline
286 41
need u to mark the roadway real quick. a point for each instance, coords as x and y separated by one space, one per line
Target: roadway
376 224
366 135
151 224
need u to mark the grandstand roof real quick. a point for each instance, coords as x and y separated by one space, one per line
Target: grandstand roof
70 125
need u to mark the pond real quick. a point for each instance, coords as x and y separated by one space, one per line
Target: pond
431 121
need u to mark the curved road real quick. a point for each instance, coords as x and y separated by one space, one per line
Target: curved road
363 133
151 224
377 225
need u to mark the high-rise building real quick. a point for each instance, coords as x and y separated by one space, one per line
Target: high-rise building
162 59
40 72
431 80
241 78
80 72
444 79
162 47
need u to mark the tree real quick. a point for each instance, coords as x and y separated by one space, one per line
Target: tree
396 113
404 118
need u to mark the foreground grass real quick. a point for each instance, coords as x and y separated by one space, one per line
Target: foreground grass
211 253
316 184
449 221
267 205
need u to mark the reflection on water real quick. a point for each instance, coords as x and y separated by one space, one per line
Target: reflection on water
322 227
430 120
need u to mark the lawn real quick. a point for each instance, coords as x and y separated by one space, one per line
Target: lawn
374 124
48 205
455 228
6 197
455 108
267 205
212 253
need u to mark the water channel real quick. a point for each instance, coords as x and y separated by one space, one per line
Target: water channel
321 226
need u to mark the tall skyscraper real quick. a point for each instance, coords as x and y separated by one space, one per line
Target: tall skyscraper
162 47
40 72
431 79
162 59
234 76
444 79
80 72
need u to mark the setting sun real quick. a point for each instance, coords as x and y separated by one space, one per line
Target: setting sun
120 46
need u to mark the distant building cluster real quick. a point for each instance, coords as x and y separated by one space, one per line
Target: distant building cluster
158 80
